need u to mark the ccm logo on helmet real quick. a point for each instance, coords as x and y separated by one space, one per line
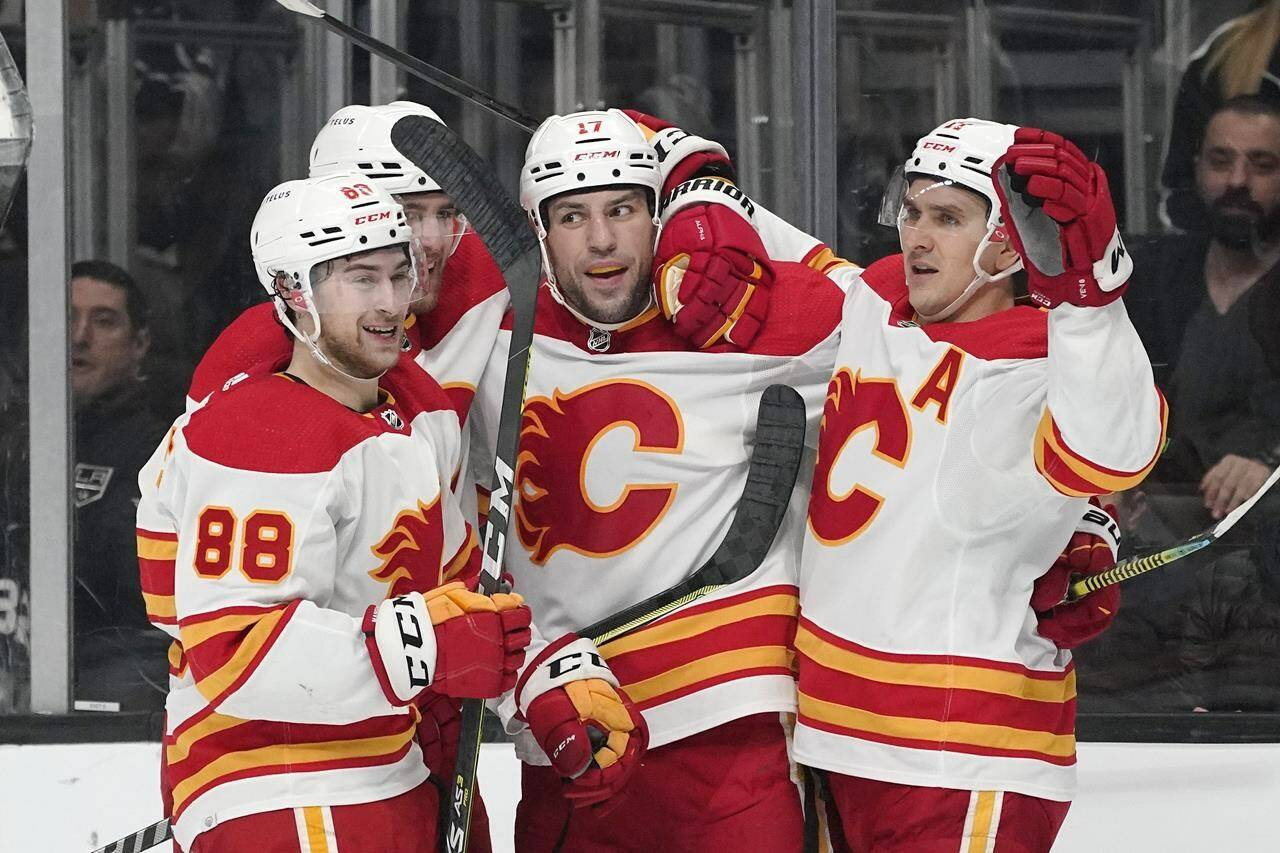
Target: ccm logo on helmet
597 155
373 217
938 146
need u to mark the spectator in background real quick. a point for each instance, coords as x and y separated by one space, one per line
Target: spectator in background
119 656
1238 58
1224 393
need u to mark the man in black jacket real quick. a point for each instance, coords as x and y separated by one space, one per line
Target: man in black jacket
119 656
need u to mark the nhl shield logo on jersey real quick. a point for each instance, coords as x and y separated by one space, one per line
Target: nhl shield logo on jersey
412 550
392 418
565 497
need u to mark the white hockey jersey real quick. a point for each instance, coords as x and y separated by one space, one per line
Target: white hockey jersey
953 464
271 517
631 463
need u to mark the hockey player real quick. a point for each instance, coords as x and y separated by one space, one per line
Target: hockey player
294 535
634 449
961 436
450 337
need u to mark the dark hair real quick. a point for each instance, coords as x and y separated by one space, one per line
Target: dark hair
135 301
1249 105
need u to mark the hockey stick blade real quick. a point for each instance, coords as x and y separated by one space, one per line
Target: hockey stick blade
501 224
1134 566
143 839
422 70
771 477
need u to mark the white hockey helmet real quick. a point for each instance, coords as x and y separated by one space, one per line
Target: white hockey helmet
586 151
358 139
960 152
580 152
302 224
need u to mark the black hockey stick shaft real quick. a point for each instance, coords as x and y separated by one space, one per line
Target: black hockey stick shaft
143 839
771 478
470 183
411 64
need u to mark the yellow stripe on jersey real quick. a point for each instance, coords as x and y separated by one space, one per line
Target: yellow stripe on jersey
212 724
313 819
691 626
935 731
711 666
159 606
288 754
1093 479
980 834
156 549
212 685
957 676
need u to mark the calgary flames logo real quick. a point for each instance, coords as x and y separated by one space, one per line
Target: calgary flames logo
558 434
853 405
411 552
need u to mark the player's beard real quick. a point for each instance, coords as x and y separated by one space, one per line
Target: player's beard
638 296
1238 222
351 358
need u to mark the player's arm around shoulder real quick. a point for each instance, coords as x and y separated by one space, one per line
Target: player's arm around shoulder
1104 422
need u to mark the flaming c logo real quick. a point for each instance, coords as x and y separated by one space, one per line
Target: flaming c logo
557 437
411 551
854 404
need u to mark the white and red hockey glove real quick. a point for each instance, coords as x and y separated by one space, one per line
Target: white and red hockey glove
583 721
682 156
457 642
712 274
1057 206
1092 549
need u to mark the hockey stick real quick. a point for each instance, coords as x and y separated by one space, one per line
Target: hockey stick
470 183
771 476
502 225
143 839
1135 566
413 65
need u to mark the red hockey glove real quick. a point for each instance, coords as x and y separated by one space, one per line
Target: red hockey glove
683 156
1092 549
1057 207
585 724
438 732
460 643
712 275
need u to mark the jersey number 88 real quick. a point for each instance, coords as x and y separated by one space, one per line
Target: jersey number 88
266 546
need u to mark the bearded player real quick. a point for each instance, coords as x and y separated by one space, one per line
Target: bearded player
294 534
636 434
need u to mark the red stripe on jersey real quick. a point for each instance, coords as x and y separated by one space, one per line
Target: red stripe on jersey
736 674
248 749
955 660
711 643
1071 473
222 660
934 703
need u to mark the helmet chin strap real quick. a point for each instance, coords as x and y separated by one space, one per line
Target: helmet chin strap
980 277
312 341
